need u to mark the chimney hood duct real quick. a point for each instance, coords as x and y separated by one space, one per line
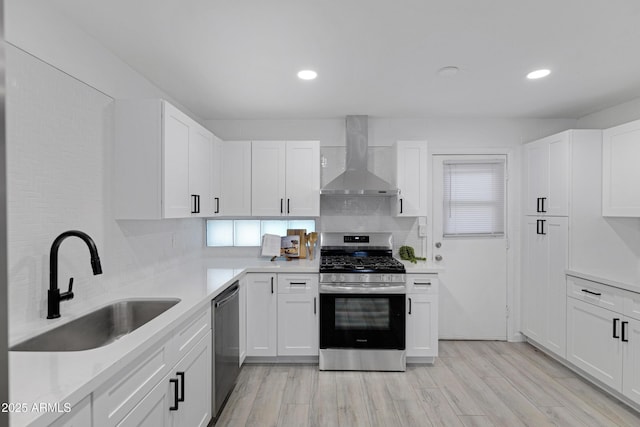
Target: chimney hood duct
356 179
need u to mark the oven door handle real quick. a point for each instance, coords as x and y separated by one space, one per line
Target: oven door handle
345 289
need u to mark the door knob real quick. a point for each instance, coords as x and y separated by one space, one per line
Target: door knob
438 257
438 245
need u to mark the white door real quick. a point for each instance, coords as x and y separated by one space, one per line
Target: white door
262 333
473 282
298 324
200 146
235 185
176 163
422 312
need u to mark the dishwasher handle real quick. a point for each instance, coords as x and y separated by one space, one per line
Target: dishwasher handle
227 295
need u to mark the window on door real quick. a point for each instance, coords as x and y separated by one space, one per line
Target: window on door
474 198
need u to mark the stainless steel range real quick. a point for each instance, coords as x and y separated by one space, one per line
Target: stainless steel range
362 303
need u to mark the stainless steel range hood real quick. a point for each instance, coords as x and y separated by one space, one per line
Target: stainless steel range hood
356 179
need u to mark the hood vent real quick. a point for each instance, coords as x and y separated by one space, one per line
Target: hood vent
356 179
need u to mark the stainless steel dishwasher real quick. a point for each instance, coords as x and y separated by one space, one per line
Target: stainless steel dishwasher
226 346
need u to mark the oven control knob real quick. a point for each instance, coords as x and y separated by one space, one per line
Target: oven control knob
333 278
342 278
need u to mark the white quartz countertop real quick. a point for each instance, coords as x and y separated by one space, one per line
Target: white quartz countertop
67 377
628 286
421 267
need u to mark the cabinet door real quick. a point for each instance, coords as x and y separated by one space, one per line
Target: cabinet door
303 178
236 178
298 324
631 359
153 409
261 314
535 274
175 162
194 384
547 163
591 344
537 176
80 415
620 172
200 148
422 325
216 176
411 167
556 231
268 178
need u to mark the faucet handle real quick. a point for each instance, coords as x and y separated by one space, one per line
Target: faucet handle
69 294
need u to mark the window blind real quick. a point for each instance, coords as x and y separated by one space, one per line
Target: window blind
474 198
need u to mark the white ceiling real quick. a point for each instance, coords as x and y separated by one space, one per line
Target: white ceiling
237 59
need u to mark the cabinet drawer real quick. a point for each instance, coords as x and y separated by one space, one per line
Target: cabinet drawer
596 293
190 332
297 283
632 305
422 283
119 396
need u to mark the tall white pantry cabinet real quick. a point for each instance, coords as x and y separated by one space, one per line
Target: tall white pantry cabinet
545 256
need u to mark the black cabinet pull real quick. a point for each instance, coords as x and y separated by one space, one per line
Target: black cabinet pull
217 199
174 381
615 328
281 208
540 226
400 205
592 293
538 204
624 332
288 203
181 397
193 203
542 209
298 283
314 305
198 200
409 305
272 285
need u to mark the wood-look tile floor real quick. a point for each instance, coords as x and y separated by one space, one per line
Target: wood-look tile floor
472 383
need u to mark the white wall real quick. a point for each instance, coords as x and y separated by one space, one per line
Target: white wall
605 247
59 155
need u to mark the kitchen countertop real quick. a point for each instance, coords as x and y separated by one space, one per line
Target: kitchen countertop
632 287
421 267
68 377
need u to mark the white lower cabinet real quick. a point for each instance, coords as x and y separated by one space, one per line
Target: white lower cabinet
262 305
80 415
591 344
603 334
422 315
178 371
298 315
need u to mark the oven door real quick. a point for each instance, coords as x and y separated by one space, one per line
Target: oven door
362 321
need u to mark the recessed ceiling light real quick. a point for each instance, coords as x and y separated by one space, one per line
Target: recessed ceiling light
448 71
538 74
307 74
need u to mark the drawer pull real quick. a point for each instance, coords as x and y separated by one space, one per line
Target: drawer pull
409 305
422 284
615 328
298 283
591 292
181 375
624 332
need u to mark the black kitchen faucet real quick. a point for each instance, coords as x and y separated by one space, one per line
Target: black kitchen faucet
54 295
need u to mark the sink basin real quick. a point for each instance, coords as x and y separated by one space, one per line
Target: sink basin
98 328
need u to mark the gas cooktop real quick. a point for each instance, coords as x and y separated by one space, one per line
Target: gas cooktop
360 264
358 253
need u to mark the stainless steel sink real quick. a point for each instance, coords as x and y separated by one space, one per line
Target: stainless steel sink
98 328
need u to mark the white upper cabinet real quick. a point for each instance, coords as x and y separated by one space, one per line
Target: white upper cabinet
620 171
161 162
285 178
216 177
547 175
235 179
411 178
268 180
200 157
